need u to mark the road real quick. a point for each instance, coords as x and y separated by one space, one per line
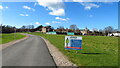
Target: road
30 52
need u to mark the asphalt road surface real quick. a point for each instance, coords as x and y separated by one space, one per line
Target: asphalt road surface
30 52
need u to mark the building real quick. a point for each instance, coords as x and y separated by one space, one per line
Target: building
44 30
84 31
114 34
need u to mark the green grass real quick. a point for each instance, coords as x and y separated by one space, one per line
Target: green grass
91 44
5 38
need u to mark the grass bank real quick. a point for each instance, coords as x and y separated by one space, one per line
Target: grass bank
5 38
105 47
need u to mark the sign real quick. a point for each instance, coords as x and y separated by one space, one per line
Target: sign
73 42
51 33
70 33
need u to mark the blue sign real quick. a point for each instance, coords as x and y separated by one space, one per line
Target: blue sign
51 33
73 42
70 33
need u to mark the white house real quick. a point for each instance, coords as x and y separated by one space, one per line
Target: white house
114 34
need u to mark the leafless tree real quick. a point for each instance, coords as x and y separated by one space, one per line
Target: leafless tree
108 29
73 27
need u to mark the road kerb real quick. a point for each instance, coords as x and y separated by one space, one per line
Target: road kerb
59 58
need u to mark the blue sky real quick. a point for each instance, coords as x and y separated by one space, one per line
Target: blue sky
83 14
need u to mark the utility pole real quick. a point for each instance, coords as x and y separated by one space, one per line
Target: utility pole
14 33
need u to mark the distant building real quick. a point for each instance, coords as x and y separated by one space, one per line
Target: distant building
114 34
61 30
44 30
84 31
51 33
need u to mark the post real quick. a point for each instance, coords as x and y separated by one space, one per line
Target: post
14 33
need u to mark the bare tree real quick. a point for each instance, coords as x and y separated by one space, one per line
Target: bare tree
73 27
108 29
61 27
95 30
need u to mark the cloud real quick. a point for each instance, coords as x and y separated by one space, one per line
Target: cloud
63 19
89 6
29 8
1 7
78 0
24 15
92 0
37 23
47 23
26 7
56 22
55 6
35 4
90 15
59 12
6 7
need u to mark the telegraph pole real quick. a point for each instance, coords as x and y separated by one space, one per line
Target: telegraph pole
14 33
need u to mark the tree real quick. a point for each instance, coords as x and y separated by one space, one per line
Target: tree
7 29
39 28
23 28
108 29
95 30
73 27
77 30
61 27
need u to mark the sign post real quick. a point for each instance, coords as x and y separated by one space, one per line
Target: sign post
73 42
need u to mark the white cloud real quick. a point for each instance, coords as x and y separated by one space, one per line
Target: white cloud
63 19
56 7
29 8
92 0
59 12
37 23
90 15
56 22
6 7
59 22
24 15
78 0
89 6
26 7
35 4
1 7
47 23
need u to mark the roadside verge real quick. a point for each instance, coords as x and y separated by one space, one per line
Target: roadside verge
3 46
59 58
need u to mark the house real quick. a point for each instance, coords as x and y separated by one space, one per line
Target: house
84 31
44 30
114 34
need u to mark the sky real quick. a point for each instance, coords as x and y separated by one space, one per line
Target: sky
83 14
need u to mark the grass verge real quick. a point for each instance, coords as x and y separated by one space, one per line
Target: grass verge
5 38
105 47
